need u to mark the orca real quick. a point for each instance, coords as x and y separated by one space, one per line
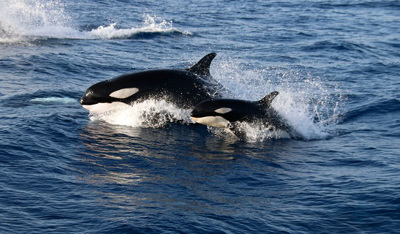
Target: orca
228 113
182 87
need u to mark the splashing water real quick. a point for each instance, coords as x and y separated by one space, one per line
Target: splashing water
306 103
151 24
20 19
27 20
251 132
150 113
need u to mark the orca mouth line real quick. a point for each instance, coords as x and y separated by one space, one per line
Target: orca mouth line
194 115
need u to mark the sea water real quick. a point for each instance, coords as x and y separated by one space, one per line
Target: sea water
136 169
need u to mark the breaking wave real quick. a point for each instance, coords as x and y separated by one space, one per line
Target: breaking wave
152 25
28 20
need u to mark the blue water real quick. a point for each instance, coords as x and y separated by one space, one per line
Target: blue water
335 63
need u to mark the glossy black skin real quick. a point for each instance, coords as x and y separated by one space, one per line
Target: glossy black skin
242 111
182 87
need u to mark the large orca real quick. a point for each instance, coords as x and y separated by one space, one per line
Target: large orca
182 87
228 113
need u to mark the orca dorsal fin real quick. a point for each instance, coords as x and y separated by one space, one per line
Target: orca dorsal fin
202 67
267 100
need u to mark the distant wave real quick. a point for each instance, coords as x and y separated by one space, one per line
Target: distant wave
41 97
25 21
360 4
381 107
337 46
54 100
149 27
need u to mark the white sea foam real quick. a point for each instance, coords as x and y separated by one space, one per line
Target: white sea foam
149 113
151 24
23 21
307 103
250 132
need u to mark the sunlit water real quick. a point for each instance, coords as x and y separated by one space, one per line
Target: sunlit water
147 168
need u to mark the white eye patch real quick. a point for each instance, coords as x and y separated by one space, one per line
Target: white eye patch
124 93
223 110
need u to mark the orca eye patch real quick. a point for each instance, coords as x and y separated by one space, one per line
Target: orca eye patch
124 93
223 110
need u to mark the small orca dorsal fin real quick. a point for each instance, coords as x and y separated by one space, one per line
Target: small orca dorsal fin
202 67
267 100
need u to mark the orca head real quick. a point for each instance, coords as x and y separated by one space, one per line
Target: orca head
218 112
106 95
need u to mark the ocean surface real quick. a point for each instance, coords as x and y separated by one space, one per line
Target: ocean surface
335 63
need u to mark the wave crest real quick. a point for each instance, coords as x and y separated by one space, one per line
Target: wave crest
29 20
152 26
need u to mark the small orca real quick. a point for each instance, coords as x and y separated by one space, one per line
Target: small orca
182 87
227 113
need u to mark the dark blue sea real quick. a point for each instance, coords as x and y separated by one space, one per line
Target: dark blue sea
336 65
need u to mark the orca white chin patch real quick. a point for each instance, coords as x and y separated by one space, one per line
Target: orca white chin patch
214 121
103 107
124 93
223 110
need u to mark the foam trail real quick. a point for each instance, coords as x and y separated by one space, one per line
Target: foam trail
28 20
